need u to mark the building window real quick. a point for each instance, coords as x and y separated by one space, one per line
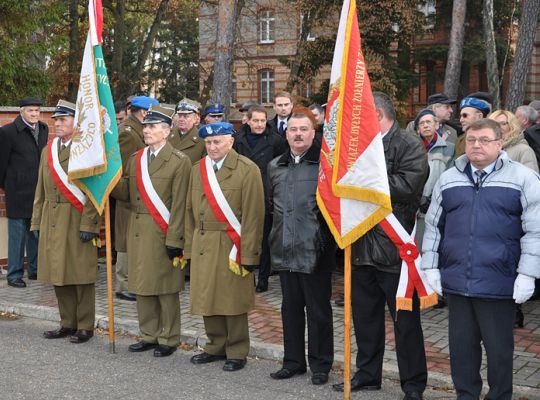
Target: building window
305 90
266 26
266 85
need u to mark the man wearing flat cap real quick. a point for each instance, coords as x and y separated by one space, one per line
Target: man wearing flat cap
66 222
471 109
21 143
155 185
184 134
224 225
214 113
130 139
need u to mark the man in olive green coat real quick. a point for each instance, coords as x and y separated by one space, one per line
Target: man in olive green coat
222 287
67 222
155 184
184 135
130 139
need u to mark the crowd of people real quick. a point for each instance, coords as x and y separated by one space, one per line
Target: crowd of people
202 201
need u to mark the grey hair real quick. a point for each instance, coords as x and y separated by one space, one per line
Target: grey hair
528 112
384 102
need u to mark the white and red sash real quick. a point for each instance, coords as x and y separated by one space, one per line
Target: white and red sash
153 203
222 210
411 276
71 192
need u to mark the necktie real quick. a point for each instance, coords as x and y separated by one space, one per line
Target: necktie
480 173
62 147
282 128
215 167
151 158
35 133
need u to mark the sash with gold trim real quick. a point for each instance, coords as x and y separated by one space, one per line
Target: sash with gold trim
71 192
223 213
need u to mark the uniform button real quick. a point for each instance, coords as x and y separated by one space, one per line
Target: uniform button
202 232
136 217
138 198
136 235
54 206
201 253
53 225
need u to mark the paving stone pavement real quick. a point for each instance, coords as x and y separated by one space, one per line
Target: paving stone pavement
38 300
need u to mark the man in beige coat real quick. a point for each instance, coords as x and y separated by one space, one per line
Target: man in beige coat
155 185
184 135
67 259
222 287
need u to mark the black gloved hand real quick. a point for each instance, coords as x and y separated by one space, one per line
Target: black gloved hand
173 252
36 234
87 236
250 268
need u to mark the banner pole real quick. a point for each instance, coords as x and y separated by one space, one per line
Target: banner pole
347 325
108 250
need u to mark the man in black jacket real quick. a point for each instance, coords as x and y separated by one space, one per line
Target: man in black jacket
302 252
21 143
376 268
283 105
258 143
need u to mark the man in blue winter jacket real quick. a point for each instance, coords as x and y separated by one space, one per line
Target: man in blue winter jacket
481 249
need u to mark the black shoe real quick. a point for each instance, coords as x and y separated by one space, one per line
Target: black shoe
413 396
81 336
319 378
441 303
164 351
285 373
262 286
32 277
519 319
356 385
141 346
340 301
126 296
59 333
205 358
18 283
234 365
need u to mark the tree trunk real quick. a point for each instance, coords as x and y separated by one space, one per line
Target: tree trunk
491 53
119 13
227 15
522 58
455 49
73 57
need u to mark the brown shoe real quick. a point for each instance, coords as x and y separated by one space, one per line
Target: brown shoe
81 336
59 333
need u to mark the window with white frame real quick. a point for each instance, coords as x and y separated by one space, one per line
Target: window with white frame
267 22
266 85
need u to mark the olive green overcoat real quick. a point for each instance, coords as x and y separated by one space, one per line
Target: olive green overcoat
62 258
214 289
150 271
191 144
130 139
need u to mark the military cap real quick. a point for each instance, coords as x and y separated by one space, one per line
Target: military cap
425 111
144 102
187 106
473 102
158 114
30 101
64 109
216 129
440 98
214 109
247 105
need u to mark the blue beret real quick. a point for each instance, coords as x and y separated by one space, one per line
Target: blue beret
425 111
216 129
214 109
473 102
144 102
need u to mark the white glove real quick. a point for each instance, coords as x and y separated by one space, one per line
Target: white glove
433 276
523 288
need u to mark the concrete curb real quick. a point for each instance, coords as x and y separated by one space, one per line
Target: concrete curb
261 350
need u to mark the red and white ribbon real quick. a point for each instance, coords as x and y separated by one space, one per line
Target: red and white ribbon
411 276
221 208
153 203
70 191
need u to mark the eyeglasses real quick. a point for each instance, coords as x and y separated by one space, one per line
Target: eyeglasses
482 140
426 122
467 115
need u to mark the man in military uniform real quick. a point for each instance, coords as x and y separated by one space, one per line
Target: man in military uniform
184 135
224 223
214 113
155 184
130 139
67 222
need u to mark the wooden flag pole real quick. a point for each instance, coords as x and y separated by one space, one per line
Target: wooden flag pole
108 250
347 325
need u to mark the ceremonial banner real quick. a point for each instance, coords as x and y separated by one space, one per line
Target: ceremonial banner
353 192
94 164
